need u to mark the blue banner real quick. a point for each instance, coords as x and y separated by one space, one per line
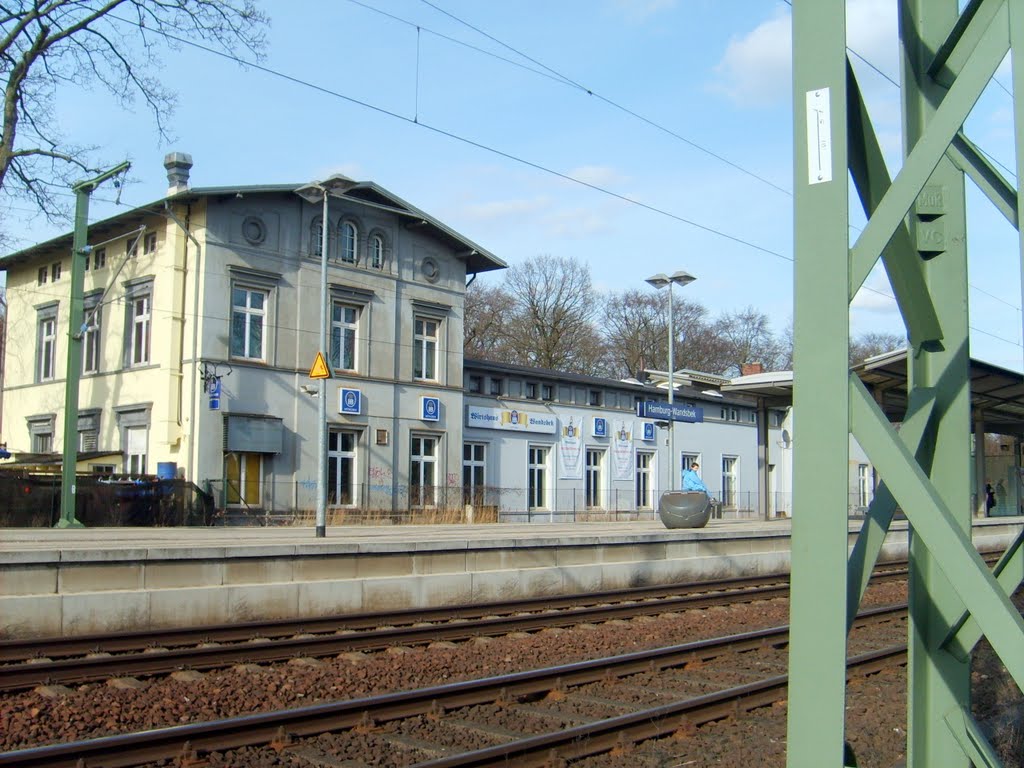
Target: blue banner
650 409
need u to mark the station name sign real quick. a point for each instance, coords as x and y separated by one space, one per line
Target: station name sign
650 409
504 418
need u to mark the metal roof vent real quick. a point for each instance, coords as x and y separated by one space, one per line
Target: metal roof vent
177 165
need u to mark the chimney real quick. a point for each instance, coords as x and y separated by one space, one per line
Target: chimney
749 369
177 165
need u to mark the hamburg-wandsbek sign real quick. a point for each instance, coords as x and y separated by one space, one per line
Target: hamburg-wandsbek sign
650 409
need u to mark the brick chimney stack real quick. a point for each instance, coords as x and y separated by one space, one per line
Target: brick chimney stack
749 369
178 165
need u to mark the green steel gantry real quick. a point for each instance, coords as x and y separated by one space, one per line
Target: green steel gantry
917 226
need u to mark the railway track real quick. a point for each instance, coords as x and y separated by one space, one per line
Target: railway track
282 641
279 729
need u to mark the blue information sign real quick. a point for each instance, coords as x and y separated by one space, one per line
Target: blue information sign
350 401
215 395
600 426
649 432
431 409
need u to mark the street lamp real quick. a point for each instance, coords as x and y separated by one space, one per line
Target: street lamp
313 193
659 281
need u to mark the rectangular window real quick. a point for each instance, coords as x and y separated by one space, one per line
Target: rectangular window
476 384
139 322
595 460
344 322
131 248
47 345
42 442
864 485
422 471
497 387
99 258
594 397
425 348
248 315
341 468
91 337
102 469
473 472
55 272
136 440
547 392
644 487
531 390
730 480
44 274
149 243
242 473
537 490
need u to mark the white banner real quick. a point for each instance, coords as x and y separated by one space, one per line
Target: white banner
622 450
571 451
504 418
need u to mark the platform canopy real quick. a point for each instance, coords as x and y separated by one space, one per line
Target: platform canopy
997 394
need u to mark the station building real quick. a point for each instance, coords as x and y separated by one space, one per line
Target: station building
202 323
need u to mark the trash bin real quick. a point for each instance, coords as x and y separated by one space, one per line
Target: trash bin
166 470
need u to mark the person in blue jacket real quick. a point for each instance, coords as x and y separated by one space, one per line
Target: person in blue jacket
691 480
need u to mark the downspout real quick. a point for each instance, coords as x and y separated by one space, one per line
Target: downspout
186 228
471 280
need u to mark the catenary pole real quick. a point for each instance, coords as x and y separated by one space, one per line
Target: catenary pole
80 252
321 492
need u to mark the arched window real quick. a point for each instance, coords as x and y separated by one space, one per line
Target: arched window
349 242
377 252
316 237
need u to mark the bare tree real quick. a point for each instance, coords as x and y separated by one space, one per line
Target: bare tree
874 343
488 311
48 45
747 337
554 308
636 331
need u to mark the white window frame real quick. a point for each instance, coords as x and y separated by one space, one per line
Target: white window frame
46 368
40 430
91 339
425 347
348 234
538 496
337 458
423 470
316 237
343 329
474 471
864 485
138 324
685 460
249 315
730 479
135 462
594 478
243 479
644 477
377 251
149 243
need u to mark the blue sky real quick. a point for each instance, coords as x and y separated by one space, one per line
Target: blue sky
715 72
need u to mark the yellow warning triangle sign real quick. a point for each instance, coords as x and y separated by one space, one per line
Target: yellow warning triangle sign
319 369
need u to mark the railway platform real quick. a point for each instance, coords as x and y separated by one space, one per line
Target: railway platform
81 581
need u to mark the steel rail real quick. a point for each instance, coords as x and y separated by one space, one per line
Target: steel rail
77 670
278 727
51 647
606 735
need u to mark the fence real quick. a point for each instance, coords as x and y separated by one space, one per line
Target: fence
283 502
30 500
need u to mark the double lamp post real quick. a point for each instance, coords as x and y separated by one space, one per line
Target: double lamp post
659 281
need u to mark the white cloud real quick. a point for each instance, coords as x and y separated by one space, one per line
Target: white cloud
641 10
598 175
576 222
504 209
756 68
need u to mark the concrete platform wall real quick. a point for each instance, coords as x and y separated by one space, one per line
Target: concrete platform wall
84 589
